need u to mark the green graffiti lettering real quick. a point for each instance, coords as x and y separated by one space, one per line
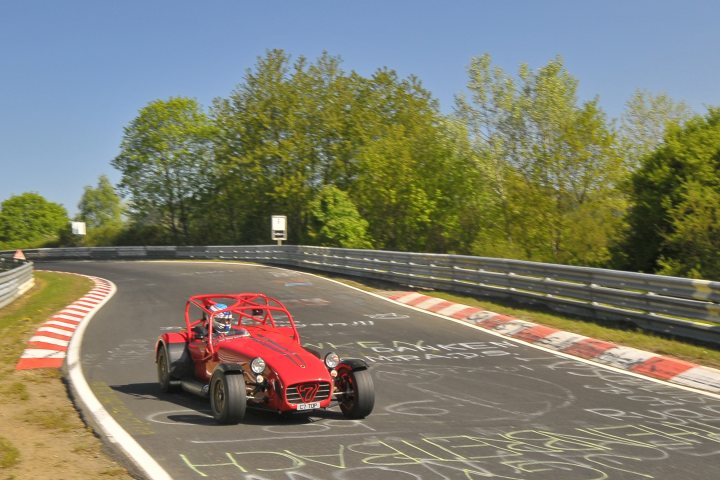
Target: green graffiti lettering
196 467
335 460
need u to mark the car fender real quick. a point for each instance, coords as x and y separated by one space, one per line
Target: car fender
229 368
178 354
170 338
354 364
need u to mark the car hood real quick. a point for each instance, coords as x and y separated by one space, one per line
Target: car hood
287 358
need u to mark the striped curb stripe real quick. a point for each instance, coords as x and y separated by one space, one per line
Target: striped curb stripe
48 347
631 359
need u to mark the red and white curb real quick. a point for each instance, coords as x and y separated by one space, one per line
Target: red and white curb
48 347
638 361
57 342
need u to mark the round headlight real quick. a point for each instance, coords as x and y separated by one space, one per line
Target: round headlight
257 365
332 360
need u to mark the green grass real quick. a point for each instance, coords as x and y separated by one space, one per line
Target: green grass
52 292
9 455
49 419
14 391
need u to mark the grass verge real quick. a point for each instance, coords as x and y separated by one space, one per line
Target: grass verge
49 439
9 455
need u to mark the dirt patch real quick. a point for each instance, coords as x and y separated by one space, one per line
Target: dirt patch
41 433
43 425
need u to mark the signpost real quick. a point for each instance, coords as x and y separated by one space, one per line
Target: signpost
78 228
279 228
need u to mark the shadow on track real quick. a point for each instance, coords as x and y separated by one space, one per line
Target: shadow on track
195 411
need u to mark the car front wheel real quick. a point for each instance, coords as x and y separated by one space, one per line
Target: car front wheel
227 397
356 393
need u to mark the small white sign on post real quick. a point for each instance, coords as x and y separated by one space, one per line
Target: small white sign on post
78 228
279 228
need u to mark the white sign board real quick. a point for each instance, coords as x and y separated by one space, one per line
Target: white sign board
78 228
279 227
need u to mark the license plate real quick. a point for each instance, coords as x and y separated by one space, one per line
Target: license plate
308 406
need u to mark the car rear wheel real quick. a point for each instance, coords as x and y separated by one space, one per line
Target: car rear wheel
227 397
163 370
357 393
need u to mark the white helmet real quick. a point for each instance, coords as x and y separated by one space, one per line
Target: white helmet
221 321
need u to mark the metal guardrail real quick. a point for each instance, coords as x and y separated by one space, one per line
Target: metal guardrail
675 306
16 277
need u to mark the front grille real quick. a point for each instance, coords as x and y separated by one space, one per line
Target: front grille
308 392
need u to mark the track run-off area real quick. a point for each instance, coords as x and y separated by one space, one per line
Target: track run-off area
452 401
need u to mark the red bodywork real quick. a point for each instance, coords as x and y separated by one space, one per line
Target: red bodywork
293 378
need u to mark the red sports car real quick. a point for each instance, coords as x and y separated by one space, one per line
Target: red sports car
243 350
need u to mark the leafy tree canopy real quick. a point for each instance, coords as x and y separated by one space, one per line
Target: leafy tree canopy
291 129
335 221
672 198
550 163
166 163
522 168
29 221
100 206
101 209
644 123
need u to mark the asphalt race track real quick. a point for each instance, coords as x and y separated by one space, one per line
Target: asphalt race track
452 401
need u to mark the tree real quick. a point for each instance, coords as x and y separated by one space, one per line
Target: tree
101 209
166 161
551 164
644 122
100 206
29 221
692 244
290 130
266 163
414 173
672 198
335 221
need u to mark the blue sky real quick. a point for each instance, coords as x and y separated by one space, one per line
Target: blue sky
73 74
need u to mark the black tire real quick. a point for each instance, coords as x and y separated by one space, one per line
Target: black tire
357 397
166 381
227 397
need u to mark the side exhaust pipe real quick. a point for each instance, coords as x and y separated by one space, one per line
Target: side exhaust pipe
196 388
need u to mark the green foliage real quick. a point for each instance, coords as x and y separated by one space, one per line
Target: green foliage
266 155
100 206
672 222
28 220
101 210
550 165
66 238
522 169
290 130
166 164
410 167
644 122
335 221
693 242
142 233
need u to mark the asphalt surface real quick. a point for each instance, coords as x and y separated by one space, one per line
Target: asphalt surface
452 401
